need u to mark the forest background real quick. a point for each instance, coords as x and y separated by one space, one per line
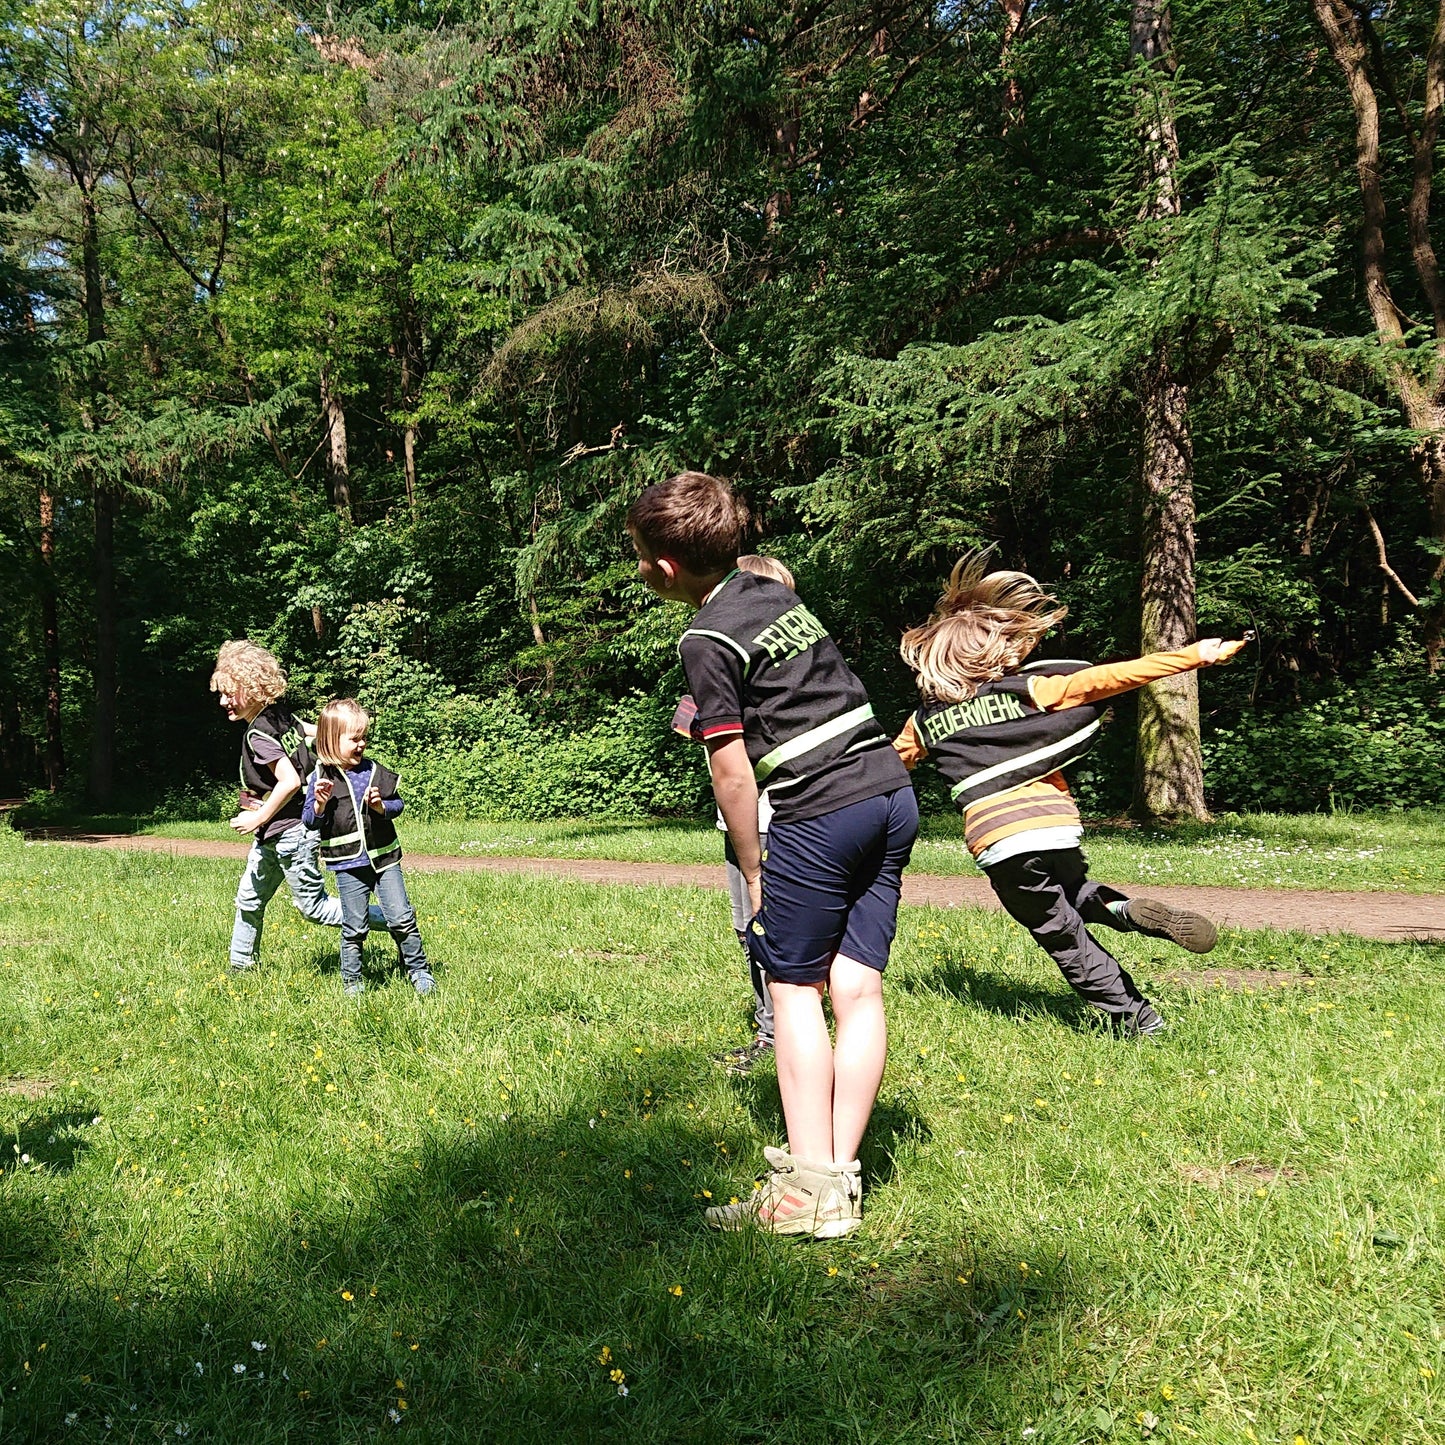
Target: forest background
355 331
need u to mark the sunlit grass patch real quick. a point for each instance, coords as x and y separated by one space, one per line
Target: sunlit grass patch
486 1205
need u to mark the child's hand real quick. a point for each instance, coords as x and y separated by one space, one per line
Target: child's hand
755 895
372 799
324 787
1215 649
247 820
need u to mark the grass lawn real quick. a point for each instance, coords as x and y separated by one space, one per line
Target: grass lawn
244 1210
1384 851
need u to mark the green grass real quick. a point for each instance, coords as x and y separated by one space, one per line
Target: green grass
1236 1234
1383 851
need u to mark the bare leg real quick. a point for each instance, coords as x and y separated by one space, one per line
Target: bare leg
861 1052
805 1069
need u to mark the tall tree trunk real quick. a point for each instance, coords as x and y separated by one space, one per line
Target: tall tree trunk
1168 763
412 363
103 721
102 736
338 464
50 629
1421 394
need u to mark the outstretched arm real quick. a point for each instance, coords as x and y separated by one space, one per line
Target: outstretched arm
1094 684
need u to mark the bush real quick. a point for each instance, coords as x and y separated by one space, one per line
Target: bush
1377 743
510 757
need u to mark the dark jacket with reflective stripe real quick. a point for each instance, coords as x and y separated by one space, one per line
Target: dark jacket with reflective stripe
277 723
1000 738
343 837
807 723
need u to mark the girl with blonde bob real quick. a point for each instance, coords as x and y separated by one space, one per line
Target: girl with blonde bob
353 803
1000 730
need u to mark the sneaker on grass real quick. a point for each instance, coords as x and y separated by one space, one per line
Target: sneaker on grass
742 1059
821 1201
1159 920
422 981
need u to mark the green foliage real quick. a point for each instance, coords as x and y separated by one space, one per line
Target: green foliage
1375 743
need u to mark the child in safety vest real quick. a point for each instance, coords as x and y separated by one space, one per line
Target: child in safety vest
781 713
1000 731
275 759
684 721
353 803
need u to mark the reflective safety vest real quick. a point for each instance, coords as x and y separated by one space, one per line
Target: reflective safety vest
804 712
1000 739
276 723
350 830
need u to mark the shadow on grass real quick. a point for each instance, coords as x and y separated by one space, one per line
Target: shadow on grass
51 1141
998 993
538 1278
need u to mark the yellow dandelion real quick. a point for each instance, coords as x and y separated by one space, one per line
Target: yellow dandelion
616 1376
606 1355
675 1290
1166 1392
832 1270
347 1295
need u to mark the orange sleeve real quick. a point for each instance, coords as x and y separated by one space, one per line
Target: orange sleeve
910 746
1093 684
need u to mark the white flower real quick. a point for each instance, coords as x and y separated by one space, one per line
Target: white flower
622 1390
24 1158
394 1416
183 1431
72 1418
238 1369
257 1346
592 1123
200 1368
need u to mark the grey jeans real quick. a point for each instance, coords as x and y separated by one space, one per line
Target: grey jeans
742 916
290 858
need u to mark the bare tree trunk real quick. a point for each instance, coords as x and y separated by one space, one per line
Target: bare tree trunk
50 630
1169 770
338 465
1168 762
103 721
549 668
1422 396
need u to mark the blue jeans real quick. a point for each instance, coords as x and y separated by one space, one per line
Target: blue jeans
356 885
292 856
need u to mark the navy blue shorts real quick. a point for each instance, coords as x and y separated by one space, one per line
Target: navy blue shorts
831 885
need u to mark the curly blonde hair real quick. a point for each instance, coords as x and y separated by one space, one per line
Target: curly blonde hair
983 627
248 670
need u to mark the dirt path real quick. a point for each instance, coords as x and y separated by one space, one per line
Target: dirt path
1396 917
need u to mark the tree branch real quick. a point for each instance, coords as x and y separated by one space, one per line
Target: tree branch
1385 567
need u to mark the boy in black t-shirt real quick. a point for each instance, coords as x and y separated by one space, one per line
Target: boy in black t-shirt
274 760
781 713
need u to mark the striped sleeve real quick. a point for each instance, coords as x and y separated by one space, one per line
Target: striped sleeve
715 680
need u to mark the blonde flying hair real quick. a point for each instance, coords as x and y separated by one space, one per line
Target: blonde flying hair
767 567
983 627
251 671
340 715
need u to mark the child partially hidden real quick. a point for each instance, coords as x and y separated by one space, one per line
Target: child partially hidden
1000 731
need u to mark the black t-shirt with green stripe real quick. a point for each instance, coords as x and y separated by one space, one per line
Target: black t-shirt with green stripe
759 664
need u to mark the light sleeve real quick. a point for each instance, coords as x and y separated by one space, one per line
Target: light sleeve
909 746
1055 692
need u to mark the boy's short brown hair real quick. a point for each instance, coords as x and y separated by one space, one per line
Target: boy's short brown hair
694 518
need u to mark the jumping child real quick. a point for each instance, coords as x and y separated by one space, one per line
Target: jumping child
741 1060
274 761
353 803
778 706
1000 732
